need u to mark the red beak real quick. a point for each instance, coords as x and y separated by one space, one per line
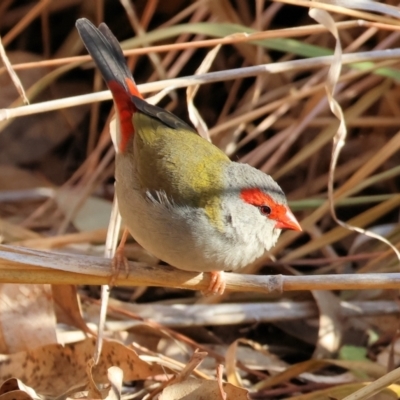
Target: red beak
288 221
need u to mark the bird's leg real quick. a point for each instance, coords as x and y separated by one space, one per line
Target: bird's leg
217 283
119 260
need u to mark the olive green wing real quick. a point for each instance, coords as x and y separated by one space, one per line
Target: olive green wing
171 157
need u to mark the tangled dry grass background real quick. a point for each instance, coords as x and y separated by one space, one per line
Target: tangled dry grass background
290 326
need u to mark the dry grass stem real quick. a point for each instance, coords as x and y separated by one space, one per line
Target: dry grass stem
20 265
201 79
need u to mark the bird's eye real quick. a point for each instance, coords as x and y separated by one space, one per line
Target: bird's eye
265 210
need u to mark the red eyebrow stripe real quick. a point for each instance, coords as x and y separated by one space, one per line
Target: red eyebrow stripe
258 198
255 197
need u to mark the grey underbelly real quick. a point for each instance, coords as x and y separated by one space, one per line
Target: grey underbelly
167 235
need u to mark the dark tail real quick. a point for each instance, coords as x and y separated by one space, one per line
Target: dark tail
105 50
107 54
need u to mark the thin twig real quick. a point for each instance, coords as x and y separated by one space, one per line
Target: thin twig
21 265
220 76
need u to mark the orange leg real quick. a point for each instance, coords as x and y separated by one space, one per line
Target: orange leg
217 283
119 260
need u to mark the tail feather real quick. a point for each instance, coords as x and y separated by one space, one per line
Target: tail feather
104 48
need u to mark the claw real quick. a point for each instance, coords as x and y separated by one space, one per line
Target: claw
118 263
217 284
119 260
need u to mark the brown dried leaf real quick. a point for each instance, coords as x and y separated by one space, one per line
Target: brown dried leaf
195 389
27 317
52 370
15 389
68 308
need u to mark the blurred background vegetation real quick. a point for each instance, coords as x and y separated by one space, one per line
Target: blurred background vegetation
56 175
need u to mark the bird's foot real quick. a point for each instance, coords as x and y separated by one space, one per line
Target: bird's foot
118 263
119 260
217 284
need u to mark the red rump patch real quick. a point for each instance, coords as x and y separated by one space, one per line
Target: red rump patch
133 90
258 198
125 109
